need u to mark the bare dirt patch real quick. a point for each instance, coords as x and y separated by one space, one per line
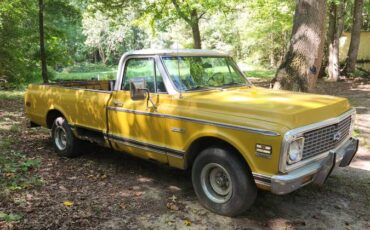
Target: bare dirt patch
104 189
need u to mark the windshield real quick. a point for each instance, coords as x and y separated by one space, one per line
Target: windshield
193 73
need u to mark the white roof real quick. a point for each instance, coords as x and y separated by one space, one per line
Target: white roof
177 52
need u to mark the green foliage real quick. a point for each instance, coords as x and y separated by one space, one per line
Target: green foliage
17 171
260 73
86 71
76 32
9 217
109 37
19 39
11 95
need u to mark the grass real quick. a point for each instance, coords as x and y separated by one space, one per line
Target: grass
11 95
17 171
87 72
9 217
107 75
260 73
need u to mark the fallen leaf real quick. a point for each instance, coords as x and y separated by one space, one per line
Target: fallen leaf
122 205
172 206
5 226
68 203
103 176
187 222
138 193
29 196
9 174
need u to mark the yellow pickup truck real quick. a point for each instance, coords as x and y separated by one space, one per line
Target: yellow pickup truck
194 109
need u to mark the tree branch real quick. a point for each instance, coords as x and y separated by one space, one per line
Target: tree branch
201 15
180 12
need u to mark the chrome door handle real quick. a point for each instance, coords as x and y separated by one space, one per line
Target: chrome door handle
117 103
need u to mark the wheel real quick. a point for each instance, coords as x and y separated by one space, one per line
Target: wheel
222 183
65 143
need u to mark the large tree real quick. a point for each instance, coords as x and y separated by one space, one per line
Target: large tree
301 65
20 37
336 23
44 71
355 36
167 11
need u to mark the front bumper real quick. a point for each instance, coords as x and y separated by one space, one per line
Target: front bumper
316 172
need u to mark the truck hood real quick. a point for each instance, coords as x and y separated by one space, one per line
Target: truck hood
286 108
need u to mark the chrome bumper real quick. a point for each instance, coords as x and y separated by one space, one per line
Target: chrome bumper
315 172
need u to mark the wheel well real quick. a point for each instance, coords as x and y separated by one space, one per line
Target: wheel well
51 116
205 142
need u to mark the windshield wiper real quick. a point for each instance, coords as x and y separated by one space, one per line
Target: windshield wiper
231 84
199 87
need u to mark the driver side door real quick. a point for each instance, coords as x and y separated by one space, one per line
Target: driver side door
132 126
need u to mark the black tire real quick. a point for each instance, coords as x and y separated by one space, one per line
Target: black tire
68 145
243 189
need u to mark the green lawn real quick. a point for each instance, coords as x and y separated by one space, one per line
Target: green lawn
86 75
260 73
11 95
102 72
87 72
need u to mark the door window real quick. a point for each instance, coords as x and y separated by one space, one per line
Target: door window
143 68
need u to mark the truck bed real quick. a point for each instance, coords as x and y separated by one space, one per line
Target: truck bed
82 103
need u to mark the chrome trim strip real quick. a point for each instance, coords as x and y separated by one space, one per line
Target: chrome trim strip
294 133
173 155
73 126
76 88
137 144
146 146
262 183
242 128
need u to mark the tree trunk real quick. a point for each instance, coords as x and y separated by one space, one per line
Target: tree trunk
195 30
44 70
302 62
330 31
355 37
272 53
336 29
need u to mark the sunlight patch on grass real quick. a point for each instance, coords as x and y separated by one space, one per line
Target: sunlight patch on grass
87 72
265 74
11 95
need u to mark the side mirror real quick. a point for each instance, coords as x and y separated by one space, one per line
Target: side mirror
138 89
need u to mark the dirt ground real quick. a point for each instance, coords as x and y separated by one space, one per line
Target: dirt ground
108 190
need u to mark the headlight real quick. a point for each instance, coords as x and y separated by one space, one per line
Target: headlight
295 150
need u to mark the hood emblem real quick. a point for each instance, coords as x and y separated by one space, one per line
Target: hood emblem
337 136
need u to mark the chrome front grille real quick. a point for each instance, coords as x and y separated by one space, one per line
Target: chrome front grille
323 139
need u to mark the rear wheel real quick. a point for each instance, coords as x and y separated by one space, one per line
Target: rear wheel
222 182
65 143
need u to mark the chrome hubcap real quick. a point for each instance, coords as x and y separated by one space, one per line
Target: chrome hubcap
60 138
216 183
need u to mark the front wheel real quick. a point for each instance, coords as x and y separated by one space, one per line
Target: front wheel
65 143
222 182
